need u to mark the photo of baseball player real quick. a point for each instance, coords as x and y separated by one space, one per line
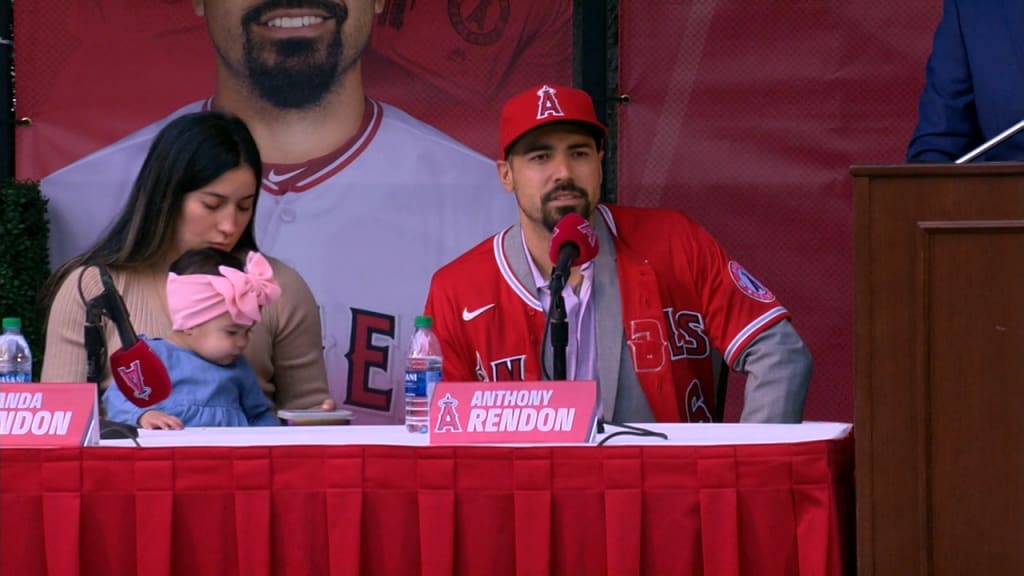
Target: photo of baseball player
362 199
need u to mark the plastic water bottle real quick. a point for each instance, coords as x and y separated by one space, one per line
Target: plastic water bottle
422 372
15 357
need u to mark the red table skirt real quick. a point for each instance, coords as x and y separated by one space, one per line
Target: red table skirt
722 510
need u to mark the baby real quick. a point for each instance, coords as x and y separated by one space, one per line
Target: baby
213 302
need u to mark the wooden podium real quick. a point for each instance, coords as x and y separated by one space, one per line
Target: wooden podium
939 368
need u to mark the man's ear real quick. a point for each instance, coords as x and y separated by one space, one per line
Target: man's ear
199 7
505 175
378 6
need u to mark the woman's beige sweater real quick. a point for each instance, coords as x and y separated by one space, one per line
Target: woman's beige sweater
285 349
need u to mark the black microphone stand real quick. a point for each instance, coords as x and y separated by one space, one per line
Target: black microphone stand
96 361
558 324
95 341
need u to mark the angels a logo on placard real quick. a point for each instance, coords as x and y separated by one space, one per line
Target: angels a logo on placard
748 284
447 417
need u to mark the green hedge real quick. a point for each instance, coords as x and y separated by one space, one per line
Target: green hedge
24 259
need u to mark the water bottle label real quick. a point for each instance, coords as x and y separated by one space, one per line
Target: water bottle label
16 377
421 382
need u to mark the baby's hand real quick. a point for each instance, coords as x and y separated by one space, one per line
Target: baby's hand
157 420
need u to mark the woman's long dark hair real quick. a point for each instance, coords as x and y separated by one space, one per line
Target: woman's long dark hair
188 153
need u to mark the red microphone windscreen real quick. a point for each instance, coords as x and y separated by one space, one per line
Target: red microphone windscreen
140 375
574 229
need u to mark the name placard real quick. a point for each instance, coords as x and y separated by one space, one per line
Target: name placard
46 415
513 412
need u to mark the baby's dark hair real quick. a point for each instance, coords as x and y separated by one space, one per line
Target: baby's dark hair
206 261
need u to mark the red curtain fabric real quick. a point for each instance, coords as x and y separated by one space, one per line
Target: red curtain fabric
388 510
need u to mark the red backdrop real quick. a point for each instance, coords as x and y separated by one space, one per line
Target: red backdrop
747 115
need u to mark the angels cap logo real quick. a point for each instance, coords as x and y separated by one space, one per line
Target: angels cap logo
132 376
544 104
547 103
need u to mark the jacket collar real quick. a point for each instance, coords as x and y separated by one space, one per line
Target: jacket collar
511 256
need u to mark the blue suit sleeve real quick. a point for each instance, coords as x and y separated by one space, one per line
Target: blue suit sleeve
254 402
119 409
947 125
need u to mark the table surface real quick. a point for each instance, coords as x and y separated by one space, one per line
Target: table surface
678 435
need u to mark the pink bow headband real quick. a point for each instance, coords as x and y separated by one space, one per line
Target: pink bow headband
197 298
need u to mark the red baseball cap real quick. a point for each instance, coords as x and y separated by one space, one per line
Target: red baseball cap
546 104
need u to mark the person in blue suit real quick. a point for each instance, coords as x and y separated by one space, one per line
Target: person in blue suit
974 86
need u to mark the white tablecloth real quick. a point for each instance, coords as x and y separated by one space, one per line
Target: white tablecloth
678 434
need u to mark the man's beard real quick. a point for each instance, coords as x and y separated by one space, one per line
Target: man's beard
293 73
551 216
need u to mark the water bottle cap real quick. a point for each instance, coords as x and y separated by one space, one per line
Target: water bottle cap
12 323
424 322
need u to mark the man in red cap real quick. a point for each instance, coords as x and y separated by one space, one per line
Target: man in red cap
648 316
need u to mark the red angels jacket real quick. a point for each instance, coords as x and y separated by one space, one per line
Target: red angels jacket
679 294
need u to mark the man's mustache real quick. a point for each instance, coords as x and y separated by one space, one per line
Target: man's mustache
254 15
561 189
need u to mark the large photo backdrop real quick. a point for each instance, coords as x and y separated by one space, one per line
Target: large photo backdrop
745 115
91 72
388 175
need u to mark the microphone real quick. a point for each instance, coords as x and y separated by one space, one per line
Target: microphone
138 372
573 243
